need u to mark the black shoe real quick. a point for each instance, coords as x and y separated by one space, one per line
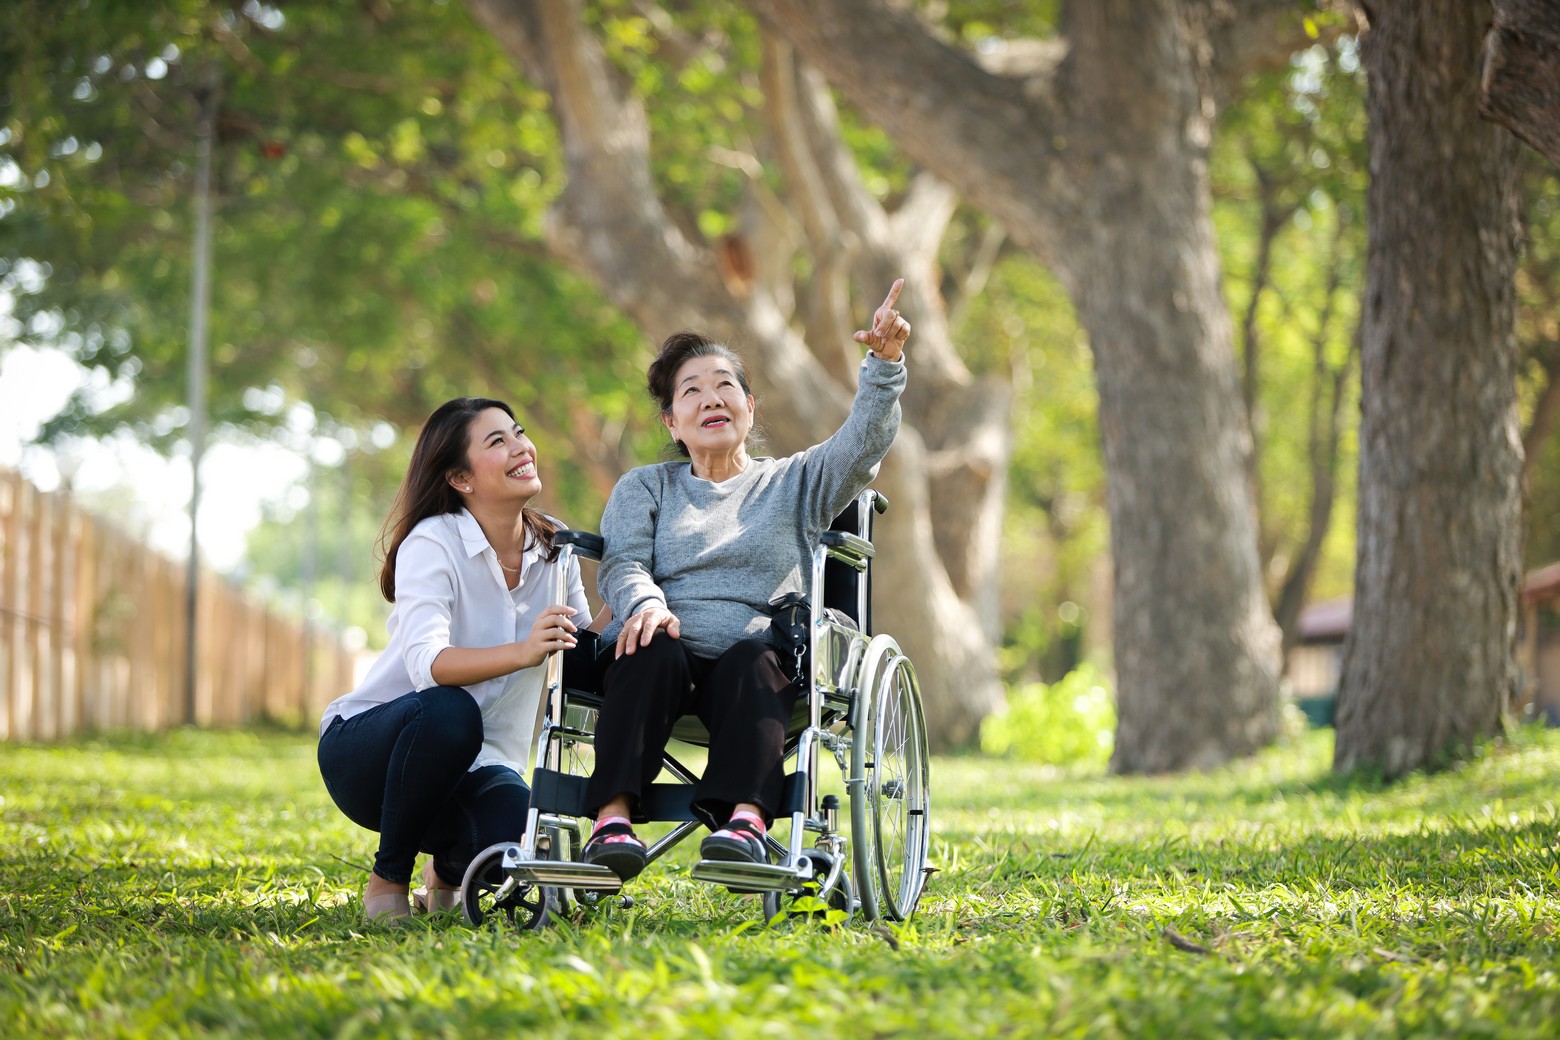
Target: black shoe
624 858
747 847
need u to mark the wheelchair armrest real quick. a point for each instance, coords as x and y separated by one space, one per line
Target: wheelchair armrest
585 544
853 550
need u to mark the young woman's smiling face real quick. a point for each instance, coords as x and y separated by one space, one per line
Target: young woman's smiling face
500 458
711 415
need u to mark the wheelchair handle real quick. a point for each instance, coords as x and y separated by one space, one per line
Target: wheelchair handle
585 544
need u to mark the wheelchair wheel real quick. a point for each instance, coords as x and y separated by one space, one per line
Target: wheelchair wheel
890 792
838 899
483 895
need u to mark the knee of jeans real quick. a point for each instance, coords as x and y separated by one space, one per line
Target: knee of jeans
498 812
450 717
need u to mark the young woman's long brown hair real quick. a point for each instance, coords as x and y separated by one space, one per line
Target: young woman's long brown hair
442 447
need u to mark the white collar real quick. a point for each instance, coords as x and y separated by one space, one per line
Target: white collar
476 542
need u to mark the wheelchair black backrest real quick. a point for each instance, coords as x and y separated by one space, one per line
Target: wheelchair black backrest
842 582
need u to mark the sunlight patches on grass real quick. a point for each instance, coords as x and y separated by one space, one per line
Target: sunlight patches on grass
203 884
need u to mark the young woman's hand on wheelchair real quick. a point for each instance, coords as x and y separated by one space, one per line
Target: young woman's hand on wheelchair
641 628
553 631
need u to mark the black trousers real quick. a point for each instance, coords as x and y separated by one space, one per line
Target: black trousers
402 769
744 698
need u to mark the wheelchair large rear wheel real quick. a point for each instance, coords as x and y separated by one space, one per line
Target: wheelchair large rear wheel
483 893
890 789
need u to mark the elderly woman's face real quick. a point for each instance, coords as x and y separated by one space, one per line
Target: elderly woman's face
710 414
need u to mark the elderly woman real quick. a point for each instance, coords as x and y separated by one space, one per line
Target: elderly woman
695 552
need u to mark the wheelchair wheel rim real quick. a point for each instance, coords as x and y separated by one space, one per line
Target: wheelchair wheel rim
524 908
898 782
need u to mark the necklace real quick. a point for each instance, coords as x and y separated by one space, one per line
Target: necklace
511 570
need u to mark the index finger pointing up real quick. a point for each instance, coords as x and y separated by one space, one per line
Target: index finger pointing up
893 294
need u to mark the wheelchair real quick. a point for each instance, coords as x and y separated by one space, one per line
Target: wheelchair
861 706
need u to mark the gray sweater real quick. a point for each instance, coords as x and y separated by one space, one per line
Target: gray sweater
716 554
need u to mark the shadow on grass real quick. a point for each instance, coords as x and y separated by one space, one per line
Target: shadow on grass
1457 785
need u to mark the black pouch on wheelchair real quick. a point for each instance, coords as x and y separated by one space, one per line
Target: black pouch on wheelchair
790 619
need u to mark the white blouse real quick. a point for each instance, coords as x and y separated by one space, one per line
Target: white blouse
450 591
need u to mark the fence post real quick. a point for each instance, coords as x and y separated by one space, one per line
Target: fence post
53 621
10 601
33 542
86 546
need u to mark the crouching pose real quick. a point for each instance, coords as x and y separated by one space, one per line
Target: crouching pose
429 751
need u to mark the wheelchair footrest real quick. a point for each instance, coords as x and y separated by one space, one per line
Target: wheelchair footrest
751 877
562 874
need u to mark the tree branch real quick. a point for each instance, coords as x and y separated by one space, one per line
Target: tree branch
920 89
1251 36
1520 84
610 222
792 120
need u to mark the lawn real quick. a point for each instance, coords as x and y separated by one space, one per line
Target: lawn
201 884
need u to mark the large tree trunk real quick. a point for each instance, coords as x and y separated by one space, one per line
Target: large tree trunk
1430 663
936 590
1521 72
1196 648
1097 164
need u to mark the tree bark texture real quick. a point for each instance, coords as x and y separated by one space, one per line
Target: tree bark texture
1097 163
1520 82
946 475
1430 663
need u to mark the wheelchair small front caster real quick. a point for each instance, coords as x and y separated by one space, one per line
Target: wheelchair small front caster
487 890
839 898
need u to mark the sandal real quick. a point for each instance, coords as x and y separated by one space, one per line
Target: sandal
385 906
624 858
434 895
745 844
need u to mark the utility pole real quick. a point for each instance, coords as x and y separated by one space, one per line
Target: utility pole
200 306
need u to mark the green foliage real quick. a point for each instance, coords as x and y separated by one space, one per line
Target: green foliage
322 553
1538 338
1022 330
380 248
203 884
1070 722
379 210
1543 512
1289 165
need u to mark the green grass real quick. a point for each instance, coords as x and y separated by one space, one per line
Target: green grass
201 884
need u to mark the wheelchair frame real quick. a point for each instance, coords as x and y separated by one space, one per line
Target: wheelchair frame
862 706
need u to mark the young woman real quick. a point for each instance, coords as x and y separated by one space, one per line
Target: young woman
429 750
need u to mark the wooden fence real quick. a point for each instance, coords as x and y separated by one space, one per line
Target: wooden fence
93 632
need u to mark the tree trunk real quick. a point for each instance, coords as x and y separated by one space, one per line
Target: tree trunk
935 592
1429 665
1098 165
1196 648
1520 84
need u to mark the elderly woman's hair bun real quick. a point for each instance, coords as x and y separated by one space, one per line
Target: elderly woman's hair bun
678 348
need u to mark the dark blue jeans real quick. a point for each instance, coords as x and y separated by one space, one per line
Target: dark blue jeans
402 769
